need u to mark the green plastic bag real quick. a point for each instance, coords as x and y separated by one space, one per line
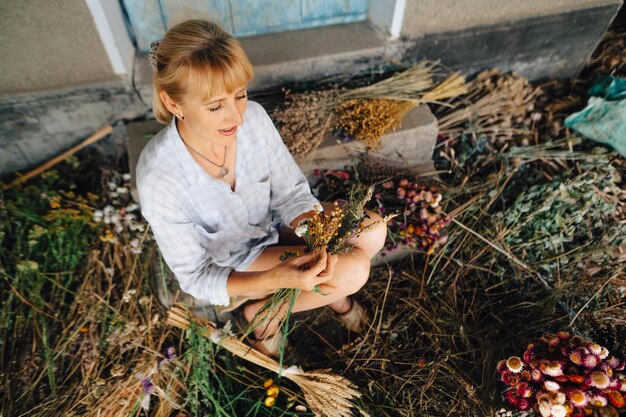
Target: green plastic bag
604 118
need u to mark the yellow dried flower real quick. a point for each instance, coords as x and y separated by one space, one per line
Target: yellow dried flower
270 401
367 120
272 391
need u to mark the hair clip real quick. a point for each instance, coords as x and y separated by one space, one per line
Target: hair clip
152 55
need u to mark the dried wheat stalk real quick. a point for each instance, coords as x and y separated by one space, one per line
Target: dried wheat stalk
328 395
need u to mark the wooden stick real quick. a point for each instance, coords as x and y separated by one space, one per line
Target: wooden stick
104 131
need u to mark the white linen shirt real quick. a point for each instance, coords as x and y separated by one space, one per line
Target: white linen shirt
204 229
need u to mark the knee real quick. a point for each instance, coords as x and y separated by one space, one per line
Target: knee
357 272
377 235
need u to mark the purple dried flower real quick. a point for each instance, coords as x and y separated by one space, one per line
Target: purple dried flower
147 385
524 404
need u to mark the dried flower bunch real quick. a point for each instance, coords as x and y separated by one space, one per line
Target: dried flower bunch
304 119
333 231
365 113
561 375
367 120
424 224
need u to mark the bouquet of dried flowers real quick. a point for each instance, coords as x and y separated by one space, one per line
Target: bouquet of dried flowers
561 375
333 232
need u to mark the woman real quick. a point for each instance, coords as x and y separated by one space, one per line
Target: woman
222 193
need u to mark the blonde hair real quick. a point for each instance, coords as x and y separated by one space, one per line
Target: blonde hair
197 57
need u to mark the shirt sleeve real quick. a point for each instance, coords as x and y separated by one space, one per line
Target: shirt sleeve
290 192
187 250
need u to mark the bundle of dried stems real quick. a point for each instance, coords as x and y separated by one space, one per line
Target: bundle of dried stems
367 120
494 104
304 119
366 114
327 394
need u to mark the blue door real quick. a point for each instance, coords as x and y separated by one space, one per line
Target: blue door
150 19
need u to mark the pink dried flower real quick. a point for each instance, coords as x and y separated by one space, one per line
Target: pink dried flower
578 398
613 362
506 376
401 192
529 353
594 348
536 375
403 182
515 364
598 380
576 357
590 361
524 390
511 397
598 400
551 385
604 352
388 185
553 368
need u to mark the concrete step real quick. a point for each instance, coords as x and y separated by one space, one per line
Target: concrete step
306 54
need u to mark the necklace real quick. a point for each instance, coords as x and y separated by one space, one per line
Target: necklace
223 170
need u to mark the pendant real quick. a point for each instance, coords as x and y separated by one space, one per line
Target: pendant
223 172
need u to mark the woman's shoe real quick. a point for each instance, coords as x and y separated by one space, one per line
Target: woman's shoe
356 318
269 346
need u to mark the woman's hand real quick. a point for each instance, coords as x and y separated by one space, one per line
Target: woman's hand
306 271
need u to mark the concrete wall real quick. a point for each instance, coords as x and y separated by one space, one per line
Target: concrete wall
48 44
423 17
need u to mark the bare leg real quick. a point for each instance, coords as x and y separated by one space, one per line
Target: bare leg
351 273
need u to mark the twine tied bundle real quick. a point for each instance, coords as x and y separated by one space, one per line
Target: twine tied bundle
327 394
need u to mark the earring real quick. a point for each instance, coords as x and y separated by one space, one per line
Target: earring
180 117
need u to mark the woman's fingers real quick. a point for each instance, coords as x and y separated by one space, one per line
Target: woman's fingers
304 259
329 270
